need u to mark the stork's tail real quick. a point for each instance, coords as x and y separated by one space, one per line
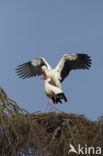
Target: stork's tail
62 96
57 100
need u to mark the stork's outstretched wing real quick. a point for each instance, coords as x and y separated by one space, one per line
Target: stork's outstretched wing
32 68
72 61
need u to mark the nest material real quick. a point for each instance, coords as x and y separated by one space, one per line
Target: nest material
44 134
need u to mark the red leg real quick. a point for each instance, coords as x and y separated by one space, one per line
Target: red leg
47 106
55 106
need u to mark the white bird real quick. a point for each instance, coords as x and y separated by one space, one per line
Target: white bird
39 66
53 92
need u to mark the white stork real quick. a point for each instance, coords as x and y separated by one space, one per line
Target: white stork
53 92
68 62
53 88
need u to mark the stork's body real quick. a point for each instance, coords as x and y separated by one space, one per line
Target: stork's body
53 92
53 74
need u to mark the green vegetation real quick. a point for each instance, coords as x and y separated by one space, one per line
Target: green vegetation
44 134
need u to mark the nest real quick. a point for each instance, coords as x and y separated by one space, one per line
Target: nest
44 134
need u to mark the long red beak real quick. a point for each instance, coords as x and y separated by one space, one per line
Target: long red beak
43 78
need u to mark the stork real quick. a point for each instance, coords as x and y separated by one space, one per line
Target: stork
68 62
53 92
53 88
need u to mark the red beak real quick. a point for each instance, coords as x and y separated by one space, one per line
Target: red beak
43 78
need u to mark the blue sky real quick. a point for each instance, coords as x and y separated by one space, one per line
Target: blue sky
34 28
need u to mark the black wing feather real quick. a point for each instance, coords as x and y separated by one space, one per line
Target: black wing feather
29 69
83 61
57 100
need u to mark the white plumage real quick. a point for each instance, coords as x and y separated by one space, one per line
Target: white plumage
53 92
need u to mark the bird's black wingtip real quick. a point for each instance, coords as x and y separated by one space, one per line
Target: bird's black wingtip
86 59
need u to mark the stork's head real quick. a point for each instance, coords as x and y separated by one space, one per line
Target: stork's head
44 68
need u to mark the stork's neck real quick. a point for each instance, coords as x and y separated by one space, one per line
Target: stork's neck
43 73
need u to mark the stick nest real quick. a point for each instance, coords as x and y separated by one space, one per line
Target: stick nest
44 134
